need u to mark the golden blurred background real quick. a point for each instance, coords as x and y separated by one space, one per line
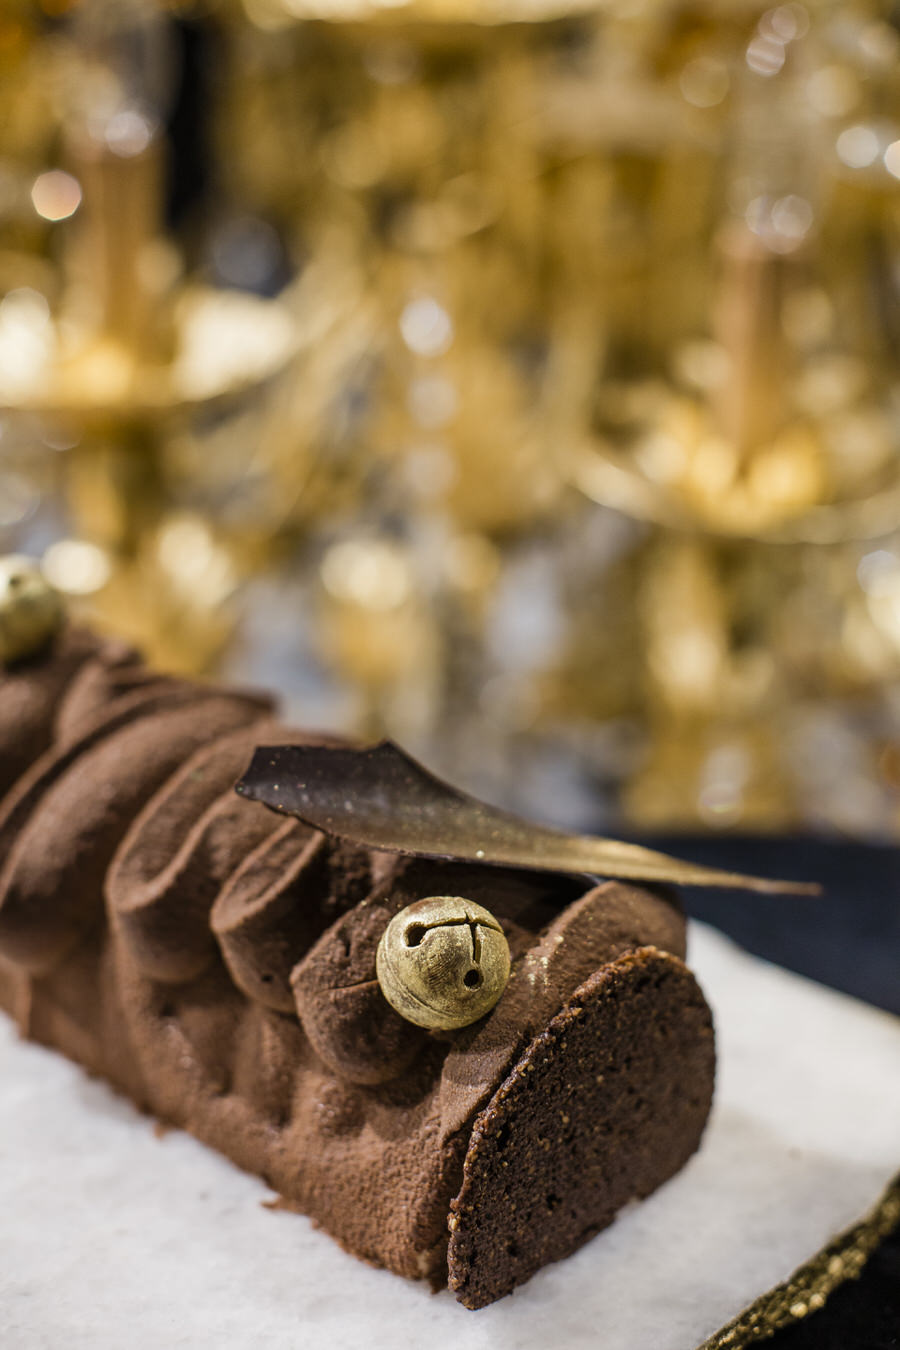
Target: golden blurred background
516 378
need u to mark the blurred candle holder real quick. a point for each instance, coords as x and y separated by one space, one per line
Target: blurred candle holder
532 397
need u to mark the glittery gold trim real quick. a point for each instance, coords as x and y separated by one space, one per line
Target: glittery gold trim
810 1285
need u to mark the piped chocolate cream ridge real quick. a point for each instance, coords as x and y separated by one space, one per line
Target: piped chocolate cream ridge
216 962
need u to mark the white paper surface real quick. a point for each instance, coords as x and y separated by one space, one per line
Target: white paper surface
112 1238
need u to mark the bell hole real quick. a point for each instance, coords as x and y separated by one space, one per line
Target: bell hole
472 978
16 580
414 934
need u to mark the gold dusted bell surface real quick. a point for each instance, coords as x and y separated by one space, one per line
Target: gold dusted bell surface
31 611
443 962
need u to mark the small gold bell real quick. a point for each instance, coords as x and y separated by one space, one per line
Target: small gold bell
442 962
31 611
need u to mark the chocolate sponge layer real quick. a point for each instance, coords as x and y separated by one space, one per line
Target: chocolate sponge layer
216 962
606 1104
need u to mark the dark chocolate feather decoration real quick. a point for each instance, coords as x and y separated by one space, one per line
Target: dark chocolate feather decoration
380 798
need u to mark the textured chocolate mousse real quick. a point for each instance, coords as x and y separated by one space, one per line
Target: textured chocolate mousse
216 962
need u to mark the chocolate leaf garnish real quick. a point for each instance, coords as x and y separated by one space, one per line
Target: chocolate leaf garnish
381 798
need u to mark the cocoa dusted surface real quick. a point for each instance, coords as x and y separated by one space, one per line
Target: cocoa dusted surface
216 963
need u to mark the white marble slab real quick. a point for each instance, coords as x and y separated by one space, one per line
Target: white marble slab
111 1237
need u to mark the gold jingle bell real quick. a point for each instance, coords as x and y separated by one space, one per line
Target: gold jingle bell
31 611
442 962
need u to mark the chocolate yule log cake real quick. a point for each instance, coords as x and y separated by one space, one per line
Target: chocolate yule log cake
461 1091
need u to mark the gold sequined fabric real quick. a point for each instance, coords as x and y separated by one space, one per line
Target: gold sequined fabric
807 1290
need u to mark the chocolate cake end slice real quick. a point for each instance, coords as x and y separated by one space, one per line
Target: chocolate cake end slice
604 1106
